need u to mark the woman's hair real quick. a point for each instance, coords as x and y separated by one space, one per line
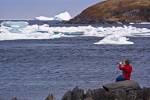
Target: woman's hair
127 61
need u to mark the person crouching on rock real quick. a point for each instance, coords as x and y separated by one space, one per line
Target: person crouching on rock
126 68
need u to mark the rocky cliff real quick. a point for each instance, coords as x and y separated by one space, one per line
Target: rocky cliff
115 11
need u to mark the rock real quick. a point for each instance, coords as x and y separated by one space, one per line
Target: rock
89 98
89 93
14 98
75 94
128 84
67 96
143 94
102 94
50 97
114 11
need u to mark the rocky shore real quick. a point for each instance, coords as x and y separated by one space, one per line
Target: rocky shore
101 94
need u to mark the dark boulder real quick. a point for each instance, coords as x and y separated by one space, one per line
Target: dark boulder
67 96
50 97
14 98
128 84
75 94
102 94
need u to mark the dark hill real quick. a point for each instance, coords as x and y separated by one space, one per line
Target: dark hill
115 11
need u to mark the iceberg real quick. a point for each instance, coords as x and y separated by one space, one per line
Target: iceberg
65 16
43 18
115 39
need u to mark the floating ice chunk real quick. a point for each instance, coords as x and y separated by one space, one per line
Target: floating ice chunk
18 36
114 39
131 23
36 28
141 23
29 29
4 29
15 24
59 35
145 23
70 33
43 18
65 16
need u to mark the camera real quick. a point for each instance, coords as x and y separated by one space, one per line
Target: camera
120 63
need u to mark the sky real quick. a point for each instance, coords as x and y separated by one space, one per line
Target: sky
29 9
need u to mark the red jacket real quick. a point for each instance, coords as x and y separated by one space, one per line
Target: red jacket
126 69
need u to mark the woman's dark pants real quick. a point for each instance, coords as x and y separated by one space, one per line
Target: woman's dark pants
120 78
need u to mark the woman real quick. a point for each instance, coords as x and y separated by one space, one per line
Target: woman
126 68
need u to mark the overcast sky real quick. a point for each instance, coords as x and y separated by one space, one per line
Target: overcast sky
28 9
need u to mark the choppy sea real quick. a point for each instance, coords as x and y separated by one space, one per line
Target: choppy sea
31 69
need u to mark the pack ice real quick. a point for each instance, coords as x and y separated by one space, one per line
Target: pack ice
13 30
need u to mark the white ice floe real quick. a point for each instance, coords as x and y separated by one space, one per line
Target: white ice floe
18 36
115 39
15 24
44 18
22 30
65 16
145 23
141 23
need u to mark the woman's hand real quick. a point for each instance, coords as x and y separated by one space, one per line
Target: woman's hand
120 63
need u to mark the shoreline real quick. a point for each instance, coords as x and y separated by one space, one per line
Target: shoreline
101 94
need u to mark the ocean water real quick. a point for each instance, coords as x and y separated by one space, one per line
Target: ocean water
31 69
